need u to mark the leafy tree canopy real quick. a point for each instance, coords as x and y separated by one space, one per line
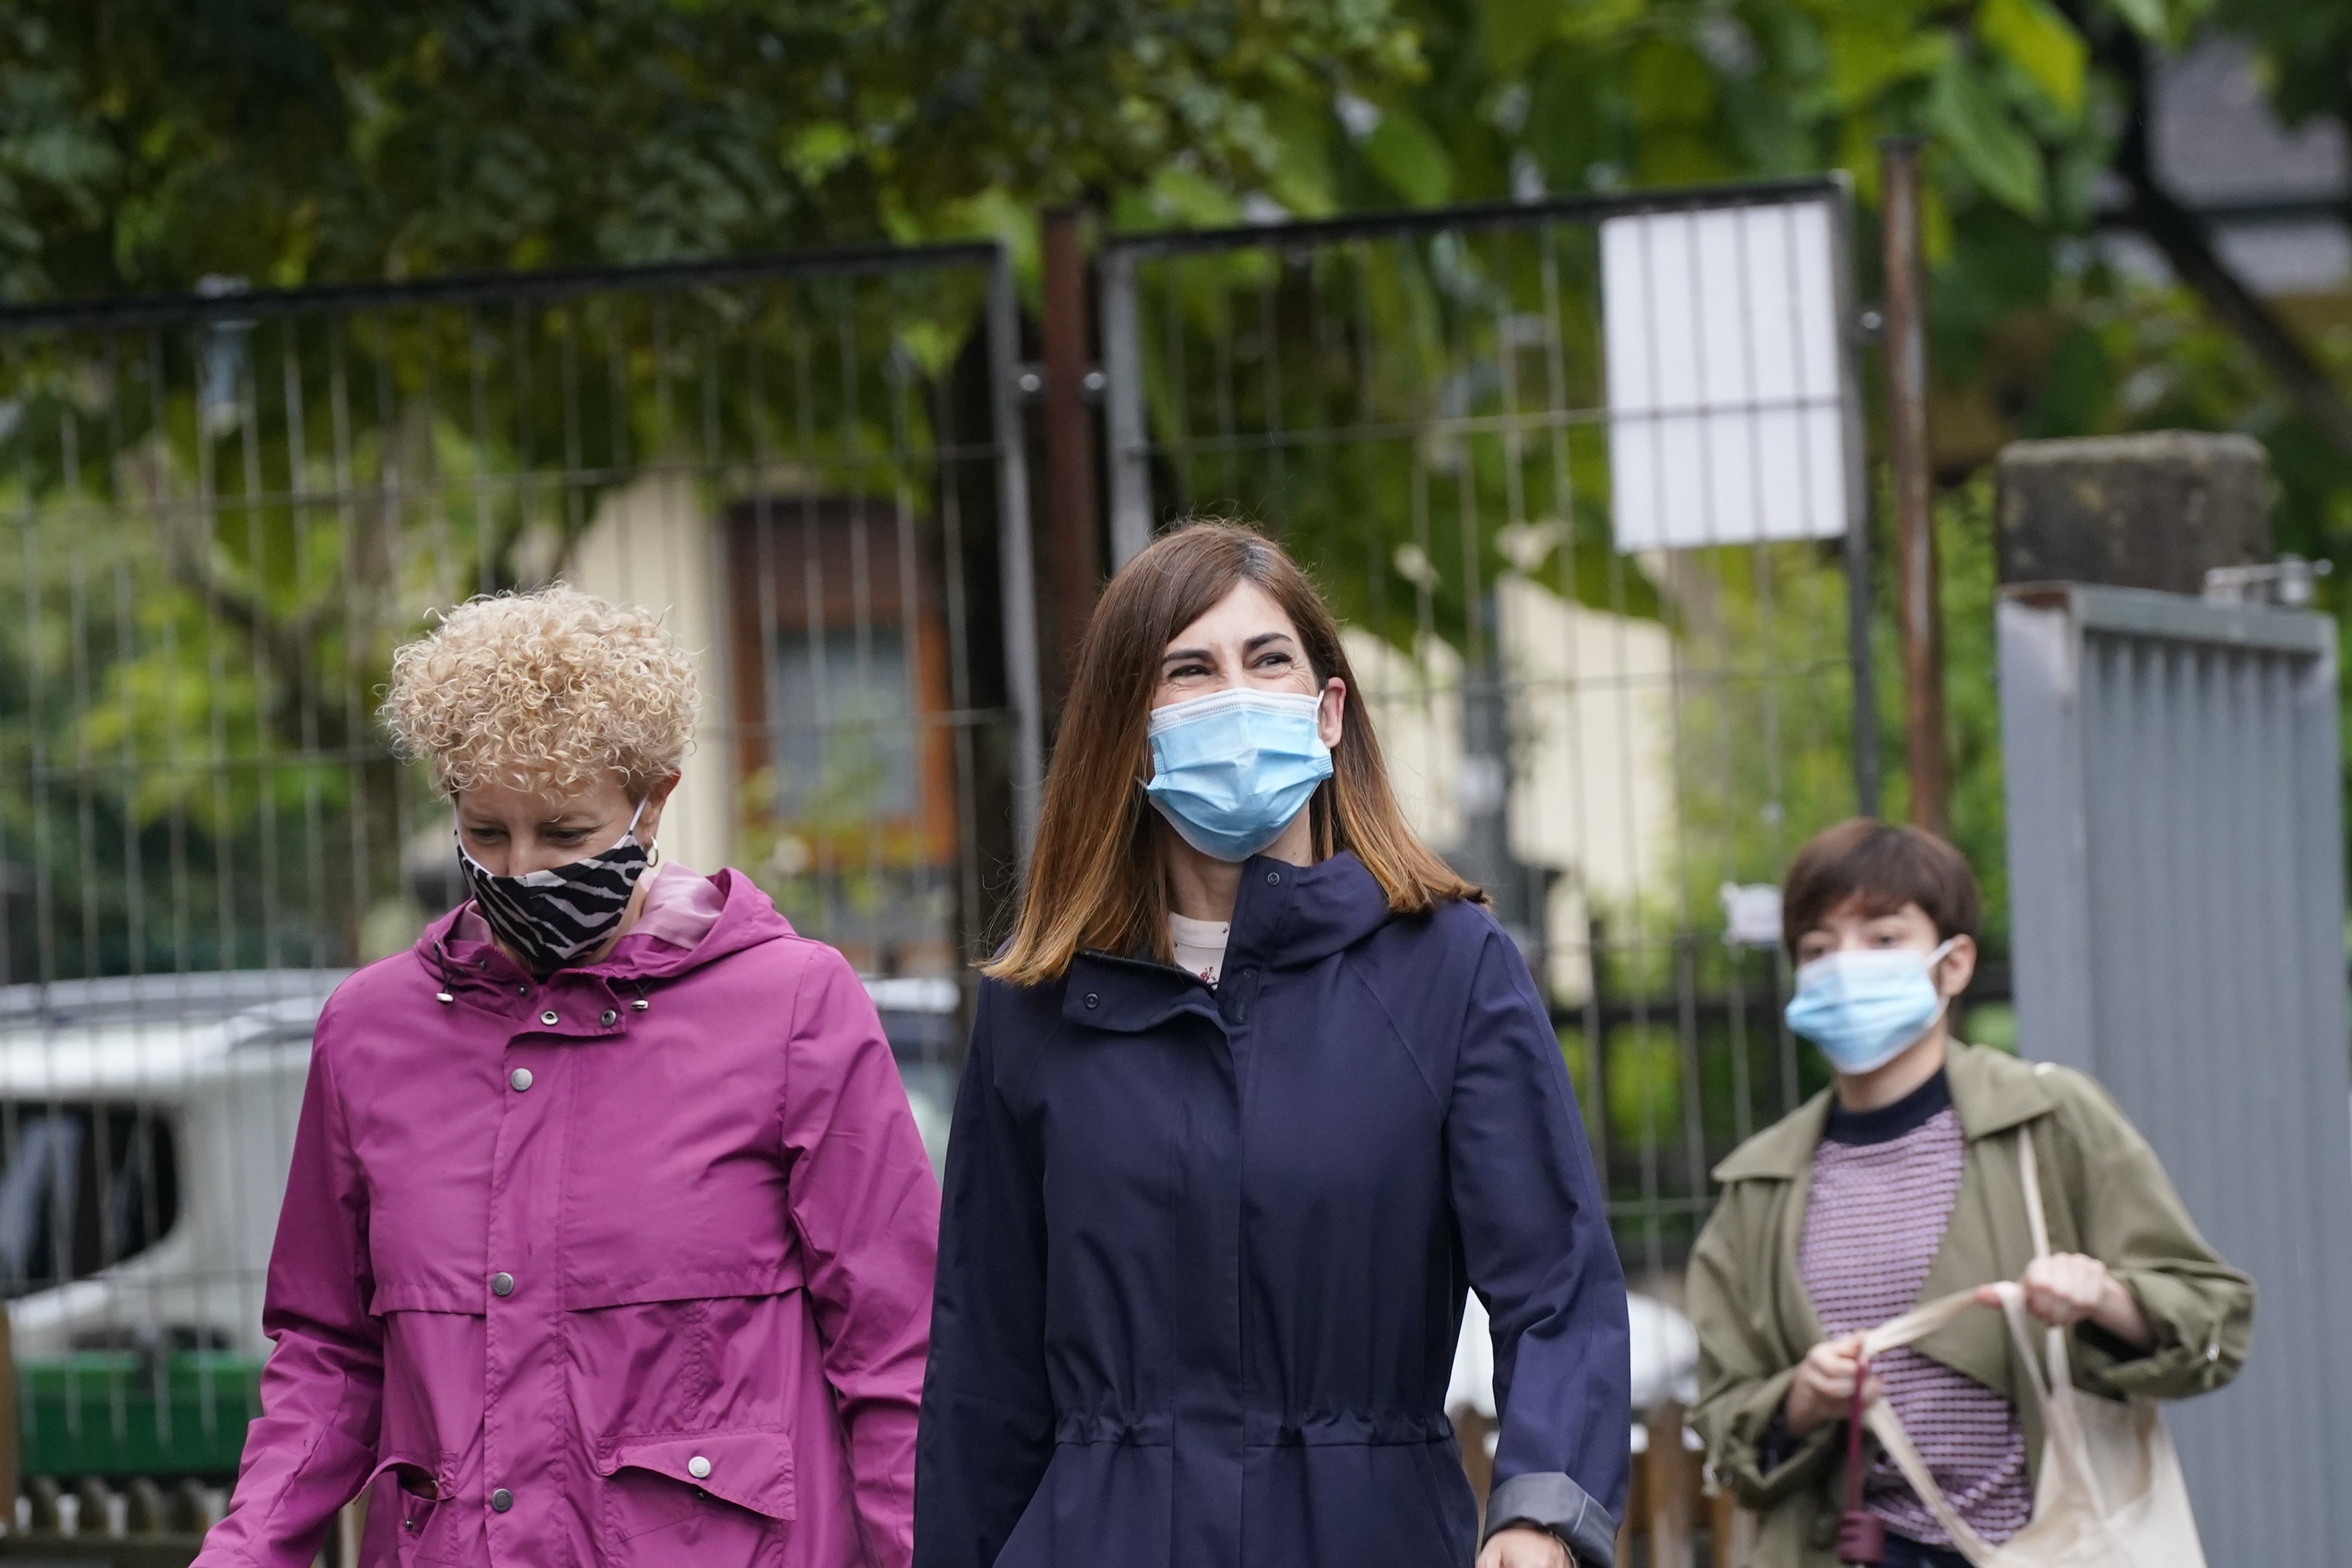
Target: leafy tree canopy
2305 47
145 143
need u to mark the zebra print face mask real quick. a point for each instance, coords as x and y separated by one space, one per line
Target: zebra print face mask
549 918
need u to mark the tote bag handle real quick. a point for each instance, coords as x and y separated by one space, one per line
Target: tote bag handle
2054 1389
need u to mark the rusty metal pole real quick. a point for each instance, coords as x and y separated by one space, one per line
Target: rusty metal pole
1926 746
1073 523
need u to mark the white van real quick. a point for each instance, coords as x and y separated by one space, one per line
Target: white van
146 1128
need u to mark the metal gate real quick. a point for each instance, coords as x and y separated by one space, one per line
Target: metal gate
1613 744
225 509
2176 847
222 513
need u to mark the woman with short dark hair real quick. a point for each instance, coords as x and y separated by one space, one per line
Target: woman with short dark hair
1255 1090
1902 1184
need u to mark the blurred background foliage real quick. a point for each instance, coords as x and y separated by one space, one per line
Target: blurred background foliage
152 144
222 530
158 145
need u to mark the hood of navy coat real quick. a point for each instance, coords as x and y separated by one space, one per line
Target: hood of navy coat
1315 910
747 918
1285 917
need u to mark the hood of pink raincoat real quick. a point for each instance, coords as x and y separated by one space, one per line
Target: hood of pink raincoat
628 1263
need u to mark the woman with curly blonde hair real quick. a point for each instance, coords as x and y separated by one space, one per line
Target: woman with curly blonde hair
608 1237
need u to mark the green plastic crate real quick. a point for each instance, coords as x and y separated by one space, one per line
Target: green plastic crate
118 1414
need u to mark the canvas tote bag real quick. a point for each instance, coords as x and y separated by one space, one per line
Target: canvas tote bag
2111 1494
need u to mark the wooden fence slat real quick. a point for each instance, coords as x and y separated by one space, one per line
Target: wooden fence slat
1673 1488
1666 1506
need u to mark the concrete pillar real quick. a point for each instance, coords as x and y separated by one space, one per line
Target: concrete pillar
2156 510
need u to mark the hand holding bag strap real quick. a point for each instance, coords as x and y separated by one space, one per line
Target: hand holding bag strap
1887 1427
2072 1522
2021 1334
2057 1392
1922 1321
1862 1535
1916 1325
2061 1415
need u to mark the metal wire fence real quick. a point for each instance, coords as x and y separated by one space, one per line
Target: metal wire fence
222 513
1615 626
1613 733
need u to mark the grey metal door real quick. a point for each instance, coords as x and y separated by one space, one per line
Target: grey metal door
2176 876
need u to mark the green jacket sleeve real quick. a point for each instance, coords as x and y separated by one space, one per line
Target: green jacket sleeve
2132 1220
1742 1377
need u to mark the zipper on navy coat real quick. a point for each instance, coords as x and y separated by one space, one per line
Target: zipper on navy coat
1235 995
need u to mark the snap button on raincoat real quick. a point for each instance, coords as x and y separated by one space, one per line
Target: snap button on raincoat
1204 1254
662 1300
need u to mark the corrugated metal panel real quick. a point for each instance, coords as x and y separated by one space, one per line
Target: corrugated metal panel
2176 867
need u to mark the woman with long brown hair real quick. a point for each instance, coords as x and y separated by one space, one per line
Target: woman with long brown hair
1257 1089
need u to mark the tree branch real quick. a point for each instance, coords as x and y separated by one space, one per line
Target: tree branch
2180 236
2343 116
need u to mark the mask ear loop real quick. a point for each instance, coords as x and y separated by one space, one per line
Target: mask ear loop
653 859
1934 962
653 851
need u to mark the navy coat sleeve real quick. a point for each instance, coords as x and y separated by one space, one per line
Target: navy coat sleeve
1537 1242
987 1426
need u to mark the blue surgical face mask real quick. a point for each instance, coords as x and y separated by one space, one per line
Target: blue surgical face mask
1865 1008
1230 770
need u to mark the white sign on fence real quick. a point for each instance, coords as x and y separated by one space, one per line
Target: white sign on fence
1726 419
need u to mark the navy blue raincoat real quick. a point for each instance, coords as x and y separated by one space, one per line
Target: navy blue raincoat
1203 1256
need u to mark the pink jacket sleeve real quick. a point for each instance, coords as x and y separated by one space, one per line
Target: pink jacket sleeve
868 1215
323 1389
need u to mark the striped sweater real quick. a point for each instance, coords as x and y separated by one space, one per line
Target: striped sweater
1884 1185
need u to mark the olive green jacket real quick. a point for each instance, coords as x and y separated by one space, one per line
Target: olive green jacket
2105 1196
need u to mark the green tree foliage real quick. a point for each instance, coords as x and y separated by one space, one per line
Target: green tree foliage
2025 111
217 532
2306 49
145 143
225 529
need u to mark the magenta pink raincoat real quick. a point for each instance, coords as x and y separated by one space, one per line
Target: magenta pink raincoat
629 1267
